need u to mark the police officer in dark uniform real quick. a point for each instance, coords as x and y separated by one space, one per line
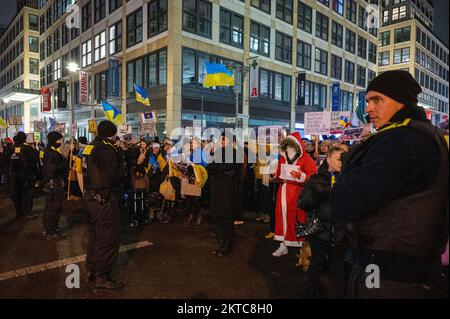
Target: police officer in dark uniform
24 169
102 174
54 167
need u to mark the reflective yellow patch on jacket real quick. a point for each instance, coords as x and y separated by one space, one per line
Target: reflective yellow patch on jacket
17 150
88 150
41 154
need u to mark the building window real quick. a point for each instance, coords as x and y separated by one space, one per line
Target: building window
231 28
42 24
34 85
362 47
349 72
263 5
33 22
346 101
315 94
324 2
86 56
86 17
284 10
99 10
114 5
351 11
371 76
372 53
321 61
34 44
350 39
361 76
100 46
385 38
56 40
401 55
362 18
385 16
303 55
338 6
64 35
398 13
57 70
259 39
283 47
304 17
275 86
188 66
34 66
197 17
42 51
115 38
336 67
337 34
383 58
65 62
157 17
134 28
402 35
321 26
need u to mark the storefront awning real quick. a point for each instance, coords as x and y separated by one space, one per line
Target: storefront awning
19 95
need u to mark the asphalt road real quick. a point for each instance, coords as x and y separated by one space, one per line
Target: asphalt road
178 264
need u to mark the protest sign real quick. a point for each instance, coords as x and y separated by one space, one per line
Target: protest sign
317 123
338 122
352 134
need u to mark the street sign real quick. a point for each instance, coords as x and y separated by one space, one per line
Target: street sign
39 126
15 120
229 120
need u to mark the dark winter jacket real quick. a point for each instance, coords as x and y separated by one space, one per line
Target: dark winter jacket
314 199
55 166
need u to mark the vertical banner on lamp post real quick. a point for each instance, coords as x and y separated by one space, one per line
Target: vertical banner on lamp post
46 99
62 95
301 89
84 87
254 78
335 97
113 78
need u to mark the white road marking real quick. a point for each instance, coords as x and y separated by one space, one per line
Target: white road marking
64 262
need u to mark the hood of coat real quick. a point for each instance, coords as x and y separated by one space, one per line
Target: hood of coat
295 141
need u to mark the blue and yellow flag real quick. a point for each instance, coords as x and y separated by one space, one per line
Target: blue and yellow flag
141 95
217 75
113 114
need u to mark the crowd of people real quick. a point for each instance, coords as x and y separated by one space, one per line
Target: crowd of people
383 200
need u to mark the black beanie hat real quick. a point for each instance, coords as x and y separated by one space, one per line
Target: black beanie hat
52 137
106 129
398 85
20 138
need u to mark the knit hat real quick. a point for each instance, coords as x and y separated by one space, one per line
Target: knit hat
20 138
52 137
398 85
106 129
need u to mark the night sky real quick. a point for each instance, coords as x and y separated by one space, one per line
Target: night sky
8 10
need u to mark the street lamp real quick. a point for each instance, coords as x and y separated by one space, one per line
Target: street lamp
73 68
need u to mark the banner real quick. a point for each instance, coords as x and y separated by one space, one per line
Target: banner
335 97
40 126
361 109
30 138
254 79
113 78
62 95
148 117
46 99
92 126
301 89
317 123
353 134
61 128
15 120
337 125
84 87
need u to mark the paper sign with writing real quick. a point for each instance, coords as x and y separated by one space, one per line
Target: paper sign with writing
317 123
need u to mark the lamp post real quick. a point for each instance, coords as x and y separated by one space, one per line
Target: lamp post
244 70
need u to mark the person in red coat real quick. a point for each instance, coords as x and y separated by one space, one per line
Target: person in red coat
294 169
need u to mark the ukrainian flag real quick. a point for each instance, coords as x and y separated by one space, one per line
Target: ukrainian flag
217 75
3 123
112 113
344 121
141 95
